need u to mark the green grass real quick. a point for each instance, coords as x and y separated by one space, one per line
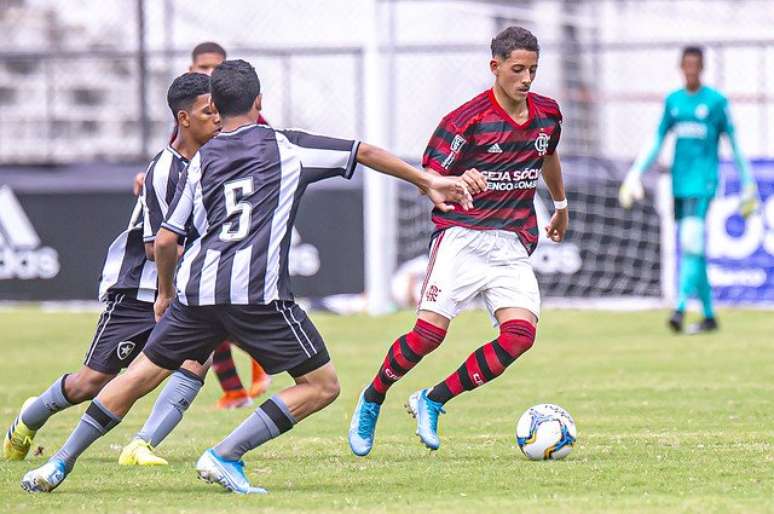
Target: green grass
666 424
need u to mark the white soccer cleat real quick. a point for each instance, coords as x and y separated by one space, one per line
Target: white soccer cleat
46 478
230 474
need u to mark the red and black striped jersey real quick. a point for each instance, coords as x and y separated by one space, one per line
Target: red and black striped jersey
480 134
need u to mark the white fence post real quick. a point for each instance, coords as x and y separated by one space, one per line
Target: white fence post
665 208
380 195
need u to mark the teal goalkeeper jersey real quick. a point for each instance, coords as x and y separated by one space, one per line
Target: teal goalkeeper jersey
697 120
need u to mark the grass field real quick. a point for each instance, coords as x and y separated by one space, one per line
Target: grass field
666 424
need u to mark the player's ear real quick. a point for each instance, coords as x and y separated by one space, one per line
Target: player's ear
257 104
493 65
183 119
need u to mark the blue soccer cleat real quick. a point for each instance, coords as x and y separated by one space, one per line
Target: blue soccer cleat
426 412
228 473
46 478
363 426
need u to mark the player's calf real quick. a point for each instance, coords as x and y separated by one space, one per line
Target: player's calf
272 419
168 410
483 365
85 384
66 391
403 355
488 362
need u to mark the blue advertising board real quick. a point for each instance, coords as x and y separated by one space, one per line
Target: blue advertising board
740 253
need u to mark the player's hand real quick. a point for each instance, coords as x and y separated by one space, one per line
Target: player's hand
444 191
557 226
474 180
631 190
161 305
139 180
748 204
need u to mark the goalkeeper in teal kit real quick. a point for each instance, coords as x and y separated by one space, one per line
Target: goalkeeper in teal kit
697 115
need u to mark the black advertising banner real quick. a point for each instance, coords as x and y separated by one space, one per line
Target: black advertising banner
55 229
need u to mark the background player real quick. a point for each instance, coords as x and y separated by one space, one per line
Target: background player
510 135
698 115
128 286
242 191
204 58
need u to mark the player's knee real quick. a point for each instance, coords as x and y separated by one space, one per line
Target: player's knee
196 369
328 390
425 337
516 337
692 236
85 385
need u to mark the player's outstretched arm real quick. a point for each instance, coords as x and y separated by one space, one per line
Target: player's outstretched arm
749 194
166 260
631 189
442 191
552 174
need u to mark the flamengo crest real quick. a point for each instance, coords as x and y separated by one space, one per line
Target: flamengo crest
541 143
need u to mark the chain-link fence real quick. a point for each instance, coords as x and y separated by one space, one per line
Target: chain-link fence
78 82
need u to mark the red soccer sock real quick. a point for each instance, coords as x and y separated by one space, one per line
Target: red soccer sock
404 354
488 362
225 369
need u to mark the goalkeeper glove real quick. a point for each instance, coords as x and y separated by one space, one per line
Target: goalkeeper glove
748 203
631 189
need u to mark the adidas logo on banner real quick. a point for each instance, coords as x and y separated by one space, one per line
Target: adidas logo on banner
495 148
21 256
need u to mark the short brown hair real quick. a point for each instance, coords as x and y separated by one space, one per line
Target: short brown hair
514 38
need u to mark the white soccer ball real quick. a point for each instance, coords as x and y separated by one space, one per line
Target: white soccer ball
546 431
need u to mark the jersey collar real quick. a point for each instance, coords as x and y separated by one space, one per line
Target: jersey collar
508 118
237 131
176 153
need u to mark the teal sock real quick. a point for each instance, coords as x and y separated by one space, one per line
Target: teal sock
705 289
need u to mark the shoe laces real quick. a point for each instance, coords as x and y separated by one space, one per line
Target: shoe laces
240 467
434 409
19 441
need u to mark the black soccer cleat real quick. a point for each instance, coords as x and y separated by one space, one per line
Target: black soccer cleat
707 325
676 322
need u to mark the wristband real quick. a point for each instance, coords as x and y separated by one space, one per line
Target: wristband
560 205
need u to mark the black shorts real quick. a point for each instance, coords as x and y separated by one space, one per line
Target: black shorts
122 330
691 207
279 335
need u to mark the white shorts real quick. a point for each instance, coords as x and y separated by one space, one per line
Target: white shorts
466 263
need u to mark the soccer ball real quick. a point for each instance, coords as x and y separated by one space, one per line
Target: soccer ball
546 431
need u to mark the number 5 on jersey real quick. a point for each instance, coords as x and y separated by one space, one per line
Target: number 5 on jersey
244 209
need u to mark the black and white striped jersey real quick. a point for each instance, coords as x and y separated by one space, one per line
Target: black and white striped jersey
242 190
159 189
126 268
